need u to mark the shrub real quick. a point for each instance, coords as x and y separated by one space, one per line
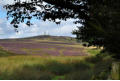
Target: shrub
59 68
81 66
80 75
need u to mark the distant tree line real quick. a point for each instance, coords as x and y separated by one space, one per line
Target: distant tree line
100 19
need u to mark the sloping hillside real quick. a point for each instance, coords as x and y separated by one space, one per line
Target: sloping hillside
44 46
43 38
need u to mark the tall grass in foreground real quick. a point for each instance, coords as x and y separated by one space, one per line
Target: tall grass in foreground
55 68
70 68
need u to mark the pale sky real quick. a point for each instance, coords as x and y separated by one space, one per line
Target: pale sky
39 28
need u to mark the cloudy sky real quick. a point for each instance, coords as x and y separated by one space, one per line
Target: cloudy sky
39 28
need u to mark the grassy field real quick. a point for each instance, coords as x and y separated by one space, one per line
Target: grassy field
36 67
23 67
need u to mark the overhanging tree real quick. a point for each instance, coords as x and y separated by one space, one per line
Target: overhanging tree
49 10
103 26
99 18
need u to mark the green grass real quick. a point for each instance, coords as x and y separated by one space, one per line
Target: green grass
4 53
31 67
53 67
93 51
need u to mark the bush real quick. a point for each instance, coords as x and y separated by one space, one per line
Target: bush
81 66
59 68
102 69
80 75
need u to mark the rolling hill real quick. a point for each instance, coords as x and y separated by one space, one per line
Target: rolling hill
44 46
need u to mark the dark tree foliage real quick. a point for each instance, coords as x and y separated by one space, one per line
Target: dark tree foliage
49 10
100 19
103 26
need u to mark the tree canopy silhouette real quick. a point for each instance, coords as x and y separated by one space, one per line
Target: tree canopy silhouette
103 26
48 10
100 19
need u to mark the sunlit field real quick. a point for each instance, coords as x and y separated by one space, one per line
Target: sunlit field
59 39
92 65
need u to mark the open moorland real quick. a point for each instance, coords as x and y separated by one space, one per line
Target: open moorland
51 58
44 46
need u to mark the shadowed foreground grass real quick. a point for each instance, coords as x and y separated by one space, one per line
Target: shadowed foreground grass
55 68
70 68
